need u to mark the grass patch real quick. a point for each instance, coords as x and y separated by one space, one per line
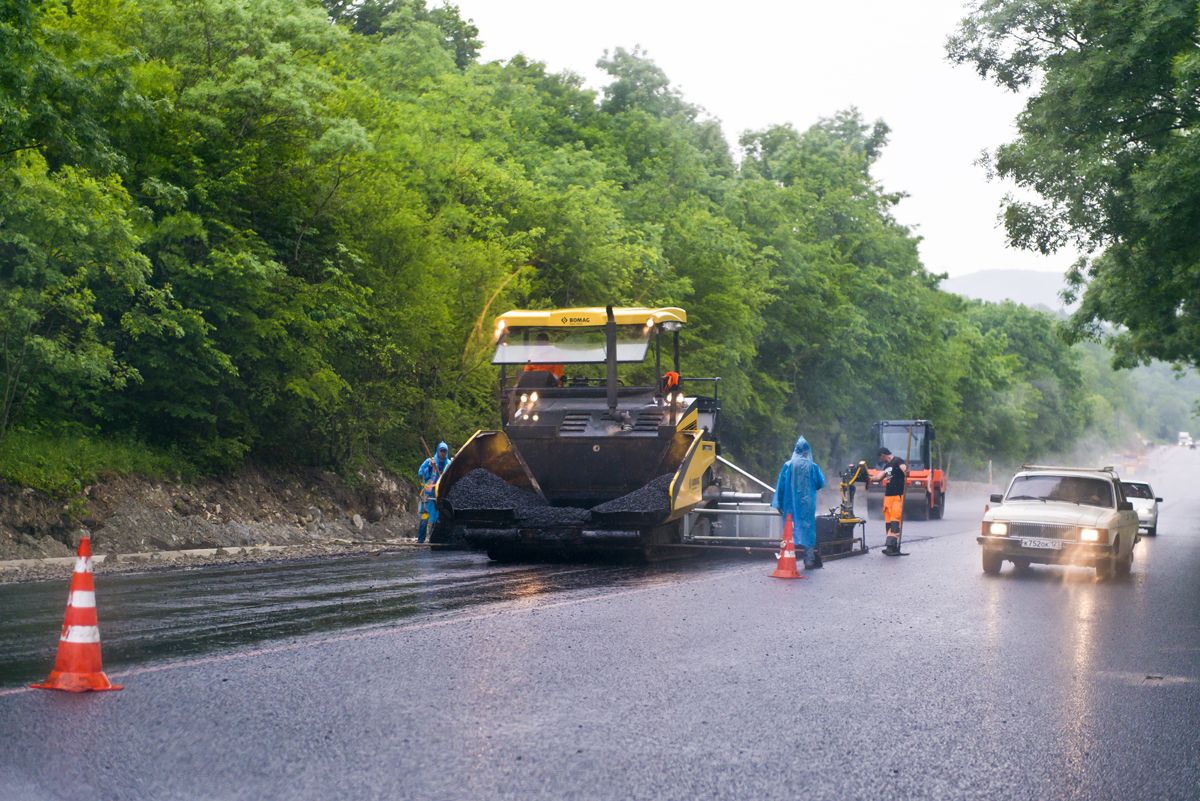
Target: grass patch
62 463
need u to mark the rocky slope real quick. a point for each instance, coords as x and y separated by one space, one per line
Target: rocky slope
251 508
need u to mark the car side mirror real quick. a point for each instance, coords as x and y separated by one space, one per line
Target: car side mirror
1158 500
1124 506
997 498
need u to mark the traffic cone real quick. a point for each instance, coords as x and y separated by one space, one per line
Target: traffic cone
786 568
77 668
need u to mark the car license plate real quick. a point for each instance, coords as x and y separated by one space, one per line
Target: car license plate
1037 542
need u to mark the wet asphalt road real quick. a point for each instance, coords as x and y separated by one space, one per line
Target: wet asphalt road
439 676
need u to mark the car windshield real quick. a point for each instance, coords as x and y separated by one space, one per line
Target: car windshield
1137 490
1071 489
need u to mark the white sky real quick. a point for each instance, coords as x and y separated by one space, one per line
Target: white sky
756 63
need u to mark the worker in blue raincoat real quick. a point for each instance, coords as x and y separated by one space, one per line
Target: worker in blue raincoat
429 472
796 495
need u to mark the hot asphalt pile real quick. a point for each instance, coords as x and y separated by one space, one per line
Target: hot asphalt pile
484 491
550 516
654 497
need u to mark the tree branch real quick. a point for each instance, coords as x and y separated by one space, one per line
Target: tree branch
33 146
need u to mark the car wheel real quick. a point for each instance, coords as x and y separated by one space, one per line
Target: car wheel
1152 531
1106 567
992 562
1123 565
1021 565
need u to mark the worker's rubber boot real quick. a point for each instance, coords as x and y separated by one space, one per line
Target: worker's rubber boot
890 546
817 562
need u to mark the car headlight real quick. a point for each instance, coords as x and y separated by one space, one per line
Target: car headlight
1090 535
998 529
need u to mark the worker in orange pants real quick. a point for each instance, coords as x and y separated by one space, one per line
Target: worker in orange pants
894 477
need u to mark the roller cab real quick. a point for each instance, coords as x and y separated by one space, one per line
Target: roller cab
927 482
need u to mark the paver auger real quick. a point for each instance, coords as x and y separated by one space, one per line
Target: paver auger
583 461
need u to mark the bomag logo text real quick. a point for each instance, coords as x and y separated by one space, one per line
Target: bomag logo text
568 320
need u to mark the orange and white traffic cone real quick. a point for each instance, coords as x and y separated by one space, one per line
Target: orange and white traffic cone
786 568
77 668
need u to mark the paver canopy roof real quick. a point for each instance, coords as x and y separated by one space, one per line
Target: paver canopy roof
592 316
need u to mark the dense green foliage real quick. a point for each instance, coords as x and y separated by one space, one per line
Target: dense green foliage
279 229
1110 140
63 462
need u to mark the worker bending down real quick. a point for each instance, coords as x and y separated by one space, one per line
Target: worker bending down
893 479
796 495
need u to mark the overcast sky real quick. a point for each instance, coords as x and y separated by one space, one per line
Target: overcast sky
756 63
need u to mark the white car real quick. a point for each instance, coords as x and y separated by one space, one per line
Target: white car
1141 495
1061 515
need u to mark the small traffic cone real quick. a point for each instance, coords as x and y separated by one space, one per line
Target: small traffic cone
786 568
77 668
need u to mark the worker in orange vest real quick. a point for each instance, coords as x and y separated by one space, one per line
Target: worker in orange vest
895 472
555 370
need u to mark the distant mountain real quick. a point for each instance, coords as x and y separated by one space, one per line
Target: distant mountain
1027 287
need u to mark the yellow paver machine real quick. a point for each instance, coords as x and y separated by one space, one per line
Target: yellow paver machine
597 451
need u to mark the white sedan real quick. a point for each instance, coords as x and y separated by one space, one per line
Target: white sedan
1061 515
1141 495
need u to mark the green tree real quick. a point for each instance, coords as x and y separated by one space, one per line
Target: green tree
278 231
57 87
1047 377
1108 138
68 255
399 17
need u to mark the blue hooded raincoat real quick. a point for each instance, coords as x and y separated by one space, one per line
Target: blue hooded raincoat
796 494
429 472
